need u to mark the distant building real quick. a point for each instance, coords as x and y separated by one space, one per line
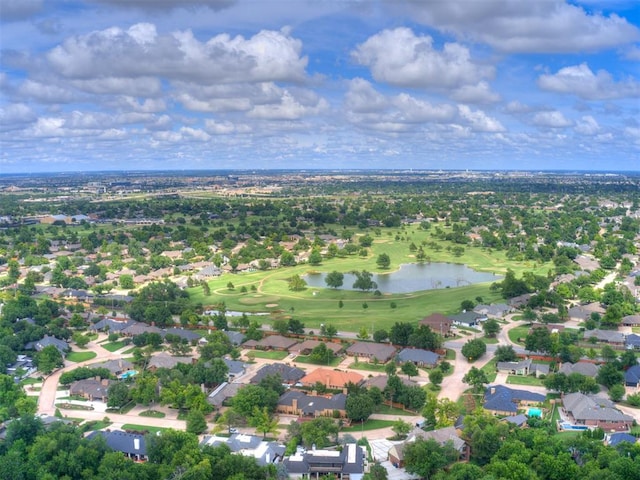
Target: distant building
132 445
348 463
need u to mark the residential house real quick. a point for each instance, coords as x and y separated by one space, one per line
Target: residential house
222 393
442 436
22 367
111 325
520 300
93 389
139 328
583 312
595 412
501 400
632 376
276 342
611 337
632 342
419 357
467 319
523 367
333 379
295 402
306 347
380 381
133 445
583 368
288 374
378 351
264 452
347 463
498 310
630 321
236 368
164 360
62 346
614 439
236 338
188 335
439 323
519 420
116 367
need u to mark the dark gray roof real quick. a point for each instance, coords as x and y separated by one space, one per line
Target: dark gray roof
236 338
466 317
584 407
223 392
370 349
617 438
350 459
310 404
139 328
113 325
189 335
235 367
45 341
287 373
123 442
632 376
505 399
583 368
633 340
418 355
517 420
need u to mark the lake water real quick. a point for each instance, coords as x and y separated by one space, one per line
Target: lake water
413 277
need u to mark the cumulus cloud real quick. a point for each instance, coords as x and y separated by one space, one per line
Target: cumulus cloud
479 121
552 26
479 93
140 52
225 127
399 57
45 92
581 81
587 125
15 115
290 107
551 119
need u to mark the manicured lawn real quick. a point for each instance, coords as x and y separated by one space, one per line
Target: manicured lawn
518 332
522 380
489 340
451 354
30 381
113 346
269 355
77 357
368 425
388 410
142 428
152 414
335 361
367 366
490 370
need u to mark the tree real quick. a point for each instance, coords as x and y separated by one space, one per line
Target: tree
126 282
363 334
251 396
609 375
280 326
297 283
616 392
491 328
426 457
196 422
440 413
476 378
436 376
539 340
295 326
401 428
474 349
315 257
383 261
145 390
80 339
334 279
364 281
48 359
400 333
329 330
359 407
321 354
505 353
409 369
380 336
7 357
118 395
376 472
263 421
467 305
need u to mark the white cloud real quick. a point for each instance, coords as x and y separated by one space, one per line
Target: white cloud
580 80
399 57
587 125
362 97
139 87
289 108
140 52
15 115
479 93
552 119
45 92
479 121
633 53
552 26
515 106
225 127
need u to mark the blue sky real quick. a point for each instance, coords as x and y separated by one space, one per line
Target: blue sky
247 84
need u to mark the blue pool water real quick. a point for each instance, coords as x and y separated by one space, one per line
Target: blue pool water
128 374
535 412
568 426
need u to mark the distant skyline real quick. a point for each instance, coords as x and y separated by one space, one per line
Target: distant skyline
94 85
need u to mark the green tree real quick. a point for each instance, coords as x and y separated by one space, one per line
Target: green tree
380 336
616 392
383 261
476 378
328 330
426 457
359 407
321 354
474 349
196 422
436 376
334 279
263 421
118 395
297 283
318 432
491 328
126 282
48 359
505 353
409 369
315 257
401 428
251 396
364 281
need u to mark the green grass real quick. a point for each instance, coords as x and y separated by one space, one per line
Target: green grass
522 380
490 370
489 340
152 414
142 428
370 367
451 354
268 354
30 381
518 332
335 361
113 346
389 410
368 425
78 357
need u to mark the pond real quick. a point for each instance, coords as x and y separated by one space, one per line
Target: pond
413 277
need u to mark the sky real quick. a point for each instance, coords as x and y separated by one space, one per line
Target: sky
89 85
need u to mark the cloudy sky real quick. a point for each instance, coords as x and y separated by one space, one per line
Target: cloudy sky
249 84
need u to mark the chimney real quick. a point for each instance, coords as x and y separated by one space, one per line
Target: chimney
492 390
105 382
294 404
136 444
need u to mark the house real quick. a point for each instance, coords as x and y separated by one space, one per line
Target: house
294 402
116 367
617 438
289 375
632 342
519 420
164 360
441 436
347 463
498 310
111 325
276 342
38 345
501 400
583 312
332 379
222 393
139 328
236 368
133 445
438 323
630 321
188 335
378 351
594 412
264 452
467 319
306 347
515 368
632 376
22 367
380 381
93 389
520 300
611 337
419 357
583 368
236 338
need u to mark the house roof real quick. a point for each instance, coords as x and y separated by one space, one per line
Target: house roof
236 338
277 341
370 349
351 459
329 377
164 360
111 324
250 446
632 375
130 443
90 386
189 335
418 355
114 366
521 365
466 317
311 344
631 320
611 336
441 435
46 341
139 328
287 373
517 420
505 399
633 340
437 322
380 381
496 310
617 438
312 404
583 368
235 367
222 392
584 407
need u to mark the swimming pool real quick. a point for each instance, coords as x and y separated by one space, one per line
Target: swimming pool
128 374
535 412
568 426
